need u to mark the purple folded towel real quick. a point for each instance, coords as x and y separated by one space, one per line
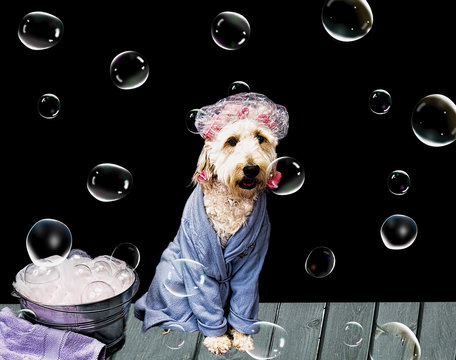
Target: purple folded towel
21 340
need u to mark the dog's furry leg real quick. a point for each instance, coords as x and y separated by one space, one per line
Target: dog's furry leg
242 342
217 344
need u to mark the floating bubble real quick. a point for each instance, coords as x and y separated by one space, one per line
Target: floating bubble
379 101
395 341
35 274
184 277
398 182
398 232
174 340
127 252
109 182
237 87
286 176
320 262
190 120
39 30
48 242
96 291
347 20
28 315
129 70
353 334
48 106
82 272
264 350
230 30
434 120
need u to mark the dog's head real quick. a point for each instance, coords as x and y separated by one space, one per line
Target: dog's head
240 141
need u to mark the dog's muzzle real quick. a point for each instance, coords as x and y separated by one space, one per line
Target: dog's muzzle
249 181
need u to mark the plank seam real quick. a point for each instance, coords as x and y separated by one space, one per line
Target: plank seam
322 330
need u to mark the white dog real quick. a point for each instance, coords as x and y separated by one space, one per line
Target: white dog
225 225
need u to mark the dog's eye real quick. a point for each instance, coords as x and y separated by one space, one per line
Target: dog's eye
261 139
232 141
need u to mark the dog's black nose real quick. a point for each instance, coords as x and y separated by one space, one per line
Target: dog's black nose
251 170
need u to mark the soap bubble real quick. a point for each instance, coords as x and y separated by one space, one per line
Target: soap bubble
320 262
262 349
395 341
379 101
129 70
101 269
48 242
127 252
190 120
398 182
286 176
230 30
434 120
398 232
347 20
35 274
48 106
126 277
237 87
190 270
96 291
353 334
174 340
39 30
79 256
28 315
109 182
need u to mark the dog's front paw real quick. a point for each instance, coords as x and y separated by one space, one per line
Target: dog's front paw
242 342
217 344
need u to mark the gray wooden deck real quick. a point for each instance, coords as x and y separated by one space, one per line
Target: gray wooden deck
315 332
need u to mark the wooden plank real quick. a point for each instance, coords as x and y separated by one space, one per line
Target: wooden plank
337 315
438 331
389 346
152 344
267 312
303 322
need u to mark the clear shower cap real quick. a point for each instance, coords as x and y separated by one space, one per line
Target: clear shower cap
212 118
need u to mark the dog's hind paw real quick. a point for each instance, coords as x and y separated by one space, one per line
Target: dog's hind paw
217 344
242 342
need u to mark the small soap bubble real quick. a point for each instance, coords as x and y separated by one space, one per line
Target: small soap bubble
35 274
129 70
237 87
128 253
230 30
353 334
261 349
79 256
28 315
379 101
96 291
81 272
48 242
109 182
190 119
434 120
286 176
39 30
398 182
101 269
126 277
320 262
347 20
184 277
398 232
395 340
48 106
174 340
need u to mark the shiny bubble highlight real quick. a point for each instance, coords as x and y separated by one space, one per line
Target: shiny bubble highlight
230 30
128 253
261 349
398 232
109 182
380 101
96 291
320 262
39 30
48 106
398 182
353 334
184 277
129 70
237 87
285 176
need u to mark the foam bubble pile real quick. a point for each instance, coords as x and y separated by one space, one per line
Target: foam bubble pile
79 279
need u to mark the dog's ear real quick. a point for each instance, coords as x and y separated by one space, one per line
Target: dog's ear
204 172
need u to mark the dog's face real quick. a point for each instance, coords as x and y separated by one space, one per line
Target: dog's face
238 156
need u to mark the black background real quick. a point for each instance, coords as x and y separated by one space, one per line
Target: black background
346 150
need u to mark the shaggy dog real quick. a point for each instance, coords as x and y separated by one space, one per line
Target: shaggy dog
224 227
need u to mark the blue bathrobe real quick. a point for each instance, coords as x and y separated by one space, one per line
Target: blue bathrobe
231 274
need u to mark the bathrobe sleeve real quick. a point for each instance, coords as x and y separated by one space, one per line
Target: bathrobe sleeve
206 303
244 301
